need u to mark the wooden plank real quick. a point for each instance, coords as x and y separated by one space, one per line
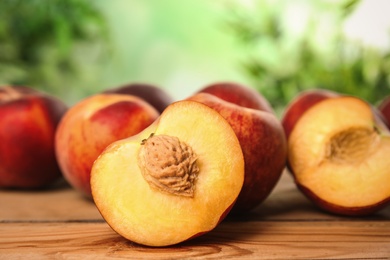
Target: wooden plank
244 240
59 203
65 204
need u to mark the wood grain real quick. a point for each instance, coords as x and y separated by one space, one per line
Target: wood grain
61 224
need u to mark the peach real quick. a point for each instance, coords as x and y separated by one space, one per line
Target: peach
338 154
303 101
28 121
174 181
238 94
306 99
152 94
263 143
384 109
91 125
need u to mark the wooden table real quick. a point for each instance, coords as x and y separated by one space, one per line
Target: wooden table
60 224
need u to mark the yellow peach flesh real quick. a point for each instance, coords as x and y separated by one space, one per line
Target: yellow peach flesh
359 178
148 216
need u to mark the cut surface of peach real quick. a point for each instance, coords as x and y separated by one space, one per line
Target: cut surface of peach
338 152
175 180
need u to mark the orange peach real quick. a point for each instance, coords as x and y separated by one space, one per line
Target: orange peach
91 125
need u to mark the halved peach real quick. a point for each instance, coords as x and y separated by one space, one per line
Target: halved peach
338 153
175 180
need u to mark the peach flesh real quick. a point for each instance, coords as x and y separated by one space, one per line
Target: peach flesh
149 216
336 154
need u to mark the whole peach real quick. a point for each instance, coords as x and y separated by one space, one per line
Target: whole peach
263 144
91 125
28 121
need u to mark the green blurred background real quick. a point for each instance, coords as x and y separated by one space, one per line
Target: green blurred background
75 48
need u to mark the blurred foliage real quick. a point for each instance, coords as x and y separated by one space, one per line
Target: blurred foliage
280 64
49 44
73 48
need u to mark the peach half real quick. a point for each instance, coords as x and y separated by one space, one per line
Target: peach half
338 153
174 181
